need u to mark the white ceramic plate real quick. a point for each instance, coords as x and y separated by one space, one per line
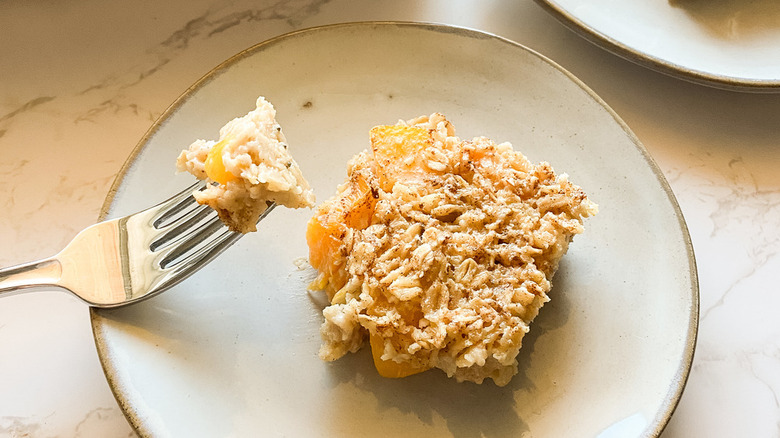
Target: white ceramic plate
731 44
232 351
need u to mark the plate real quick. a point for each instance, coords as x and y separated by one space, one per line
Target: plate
726 44
233 350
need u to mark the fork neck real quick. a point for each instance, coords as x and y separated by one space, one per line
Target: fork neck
44 273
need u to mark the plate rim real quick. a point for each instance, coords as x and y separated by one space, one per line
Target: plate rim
719 81
676 385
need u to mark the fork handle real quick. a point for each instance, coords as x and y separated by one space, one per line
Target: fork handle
44 273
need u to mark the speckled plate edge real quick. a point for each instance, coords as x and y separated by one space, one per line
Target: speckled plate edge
660 65
677 385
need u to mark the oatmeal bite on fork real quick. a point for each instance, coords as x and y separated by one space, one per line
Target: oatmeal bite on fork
248 166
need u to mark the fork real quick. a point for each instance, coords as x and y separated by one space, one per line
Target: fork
132 258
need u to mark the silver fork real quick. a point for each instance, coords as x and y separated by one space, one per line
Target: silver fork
125 260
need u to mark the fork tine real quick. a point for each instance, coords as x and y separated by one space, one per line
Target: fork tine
189 241
206 244
175 231
169 208
180 269
204 253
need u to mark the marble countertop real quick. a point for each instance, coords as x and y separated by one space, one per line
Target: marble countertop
83 81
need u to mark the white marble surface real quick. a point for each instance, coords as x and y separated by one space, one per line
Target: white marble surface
81 81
